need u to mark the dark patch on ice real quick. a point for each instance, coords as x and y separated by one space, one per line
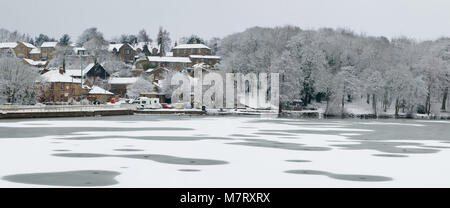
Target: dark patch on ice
437 147
279 145
154 138
389 155
156 158
347 177
69 178
124 167
242 135
29 132
189 170
272 134
128 150
298 161
388 147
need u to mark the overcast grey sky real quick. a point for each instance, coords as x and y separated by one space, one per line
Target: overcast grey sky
420 19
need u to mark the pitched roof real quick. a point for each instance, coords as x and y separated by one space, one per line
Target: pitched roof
169 59
8 45
49 44
123 80
55 76
150 46
29 45
77 72
188 46
204 57
35 51
117 46
96 90
35 63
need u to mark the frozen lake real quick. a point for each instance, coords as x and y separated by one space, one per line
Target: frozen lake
197 151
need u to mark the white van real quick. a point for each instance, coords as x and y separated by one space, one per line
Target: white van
147 103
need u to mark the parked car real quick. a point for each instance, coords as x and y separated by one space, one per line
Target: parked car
147 103
166 106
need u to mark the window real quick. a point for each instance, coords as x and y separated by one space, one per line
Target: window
62 86
52 86
127 51
192 50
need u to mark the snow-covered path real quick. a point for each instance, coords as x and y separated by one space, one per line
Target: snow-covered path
182 151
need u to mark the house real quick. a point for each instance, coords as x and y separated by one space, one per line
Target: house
157 74
61 87
19 49
35 54
124 50
38 64
119 84
198 53
98 94
47 50
91 71
184 50
149 49
206 59
80 51
174 63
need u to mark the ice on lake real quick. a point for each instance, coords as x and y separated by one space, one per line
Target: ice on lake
198 151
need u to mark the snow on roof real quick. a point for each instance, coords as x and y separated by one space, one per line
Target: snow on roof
141 45
8 45
99 91
169 53
35 51
151 70
169 59
188 46
49 44
35 63
123 80
29 45
55 76
116 46
204 57
77 72
76 49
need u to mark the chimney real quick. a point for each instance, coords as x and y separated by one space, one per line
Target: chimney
61 70
176 43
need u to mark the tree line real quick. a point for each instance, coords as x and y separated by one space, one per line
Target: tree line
338 66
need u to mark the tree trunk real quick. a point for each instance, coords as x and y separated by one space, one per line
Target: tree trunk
444 100
327 97
374 104
343 102
428 101
368 99
396 108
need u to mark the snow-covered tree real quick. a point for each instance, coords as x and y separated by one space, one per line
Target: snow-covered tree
18 82
163 40
89 34
141 86
65 40
42 38
143 36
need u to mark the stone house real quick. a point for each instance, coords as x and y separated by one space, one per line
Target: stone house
19 49
60 87
119 85
47 49
124 50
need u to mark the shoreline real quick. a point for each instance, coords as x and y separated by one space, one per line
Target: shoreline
93 111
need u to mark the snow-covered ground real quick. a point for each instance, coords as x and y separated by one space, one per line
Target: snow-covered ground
198 151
